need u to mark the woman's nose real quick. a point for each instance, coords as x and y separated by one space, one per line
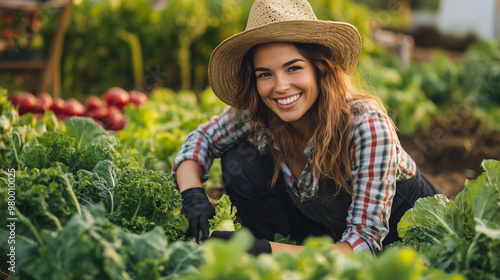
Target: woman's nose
282 84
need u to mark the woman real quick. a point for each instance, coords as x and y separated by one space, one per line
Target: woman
303 152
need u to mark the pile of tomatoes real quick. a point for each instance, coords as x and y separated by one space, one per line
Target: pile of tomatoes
107 111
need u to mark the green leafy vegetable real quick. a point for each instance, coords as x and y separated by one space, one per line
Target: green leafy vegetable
225 217
135 199
278 237
145 199
91 142
85 131
48 150
460 235
44 199
16 140
81 146
97 186
431 219
34 155
93 153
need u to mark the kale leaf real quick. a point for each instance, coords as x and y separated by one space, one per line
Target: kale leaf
92 143
45 197
145 199
97 186
135 199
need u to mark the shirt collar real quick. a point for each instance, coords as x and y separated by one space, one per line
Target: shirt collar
262 145
309 147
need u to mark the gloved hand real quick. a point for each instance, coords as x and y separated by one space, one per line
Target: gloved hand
197 209
258 247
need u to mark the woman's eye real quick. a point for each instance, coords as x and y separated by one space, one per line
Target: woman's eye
263 75
294 68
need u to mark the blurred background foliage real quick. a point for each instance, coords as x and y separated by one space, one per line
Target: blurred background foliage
394 4
145 44
174 43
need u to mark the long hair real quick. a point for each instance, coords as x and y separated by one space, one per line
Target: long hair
331 114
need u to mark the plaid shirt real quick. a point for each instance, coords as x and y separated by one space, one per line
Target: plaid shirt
377 162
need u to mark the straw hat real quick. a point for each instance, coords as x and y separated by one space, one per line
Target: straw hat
279 21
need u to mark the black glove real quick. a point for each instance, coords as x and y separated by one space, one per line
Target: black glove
197 209
258 247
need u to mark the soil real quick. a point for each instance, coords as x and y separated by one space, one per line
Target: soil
447 157
5 274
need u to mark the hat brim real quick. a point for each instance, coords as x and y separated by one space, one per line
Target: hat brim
225 62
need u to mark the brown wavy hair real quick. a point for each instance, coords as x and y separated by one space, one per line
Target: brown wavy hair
330 114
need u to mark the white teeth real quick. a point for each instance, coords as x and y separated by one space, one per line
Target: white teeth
288 100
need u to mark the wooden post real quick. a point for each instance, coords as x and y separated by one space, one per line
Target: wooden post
497 20
52 73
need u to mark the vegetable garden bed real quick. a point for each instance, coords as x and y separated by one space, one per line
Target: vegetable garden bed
452 158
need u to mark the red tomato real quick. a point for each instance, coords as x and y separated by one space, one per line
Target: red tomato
100 123
137 98
93 102
58 105
44 102
116 96
25 101
73 107
120 124
98 113
116 120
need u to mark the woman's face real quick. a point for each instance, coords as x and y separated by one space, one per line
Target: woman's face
286 81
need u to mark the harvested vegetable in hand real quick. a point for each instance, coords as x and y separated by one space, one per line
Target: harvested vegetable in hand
225 216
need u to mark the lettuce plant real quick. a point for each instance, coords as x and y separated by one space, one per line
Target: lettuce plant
225 216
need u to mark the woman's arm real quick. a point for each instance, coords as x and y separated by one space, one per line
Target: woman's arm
210 140
191 165
342 247
374 166
189 175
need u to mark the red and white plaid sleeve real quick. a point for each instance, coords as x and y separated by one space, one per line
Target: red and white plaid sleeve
374 166
211 139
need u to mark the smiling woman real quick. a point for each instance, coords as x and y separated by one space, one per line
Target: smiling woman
303 152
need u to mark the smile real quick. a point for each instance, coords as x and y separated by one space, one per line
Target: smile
286 101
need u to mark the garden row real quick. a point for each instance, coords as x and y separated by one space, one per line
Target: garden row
106 111
94 205
452 93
